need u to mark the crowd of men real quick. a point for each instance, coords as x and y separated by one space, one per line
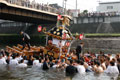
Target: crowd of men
99 14
39 6
87 62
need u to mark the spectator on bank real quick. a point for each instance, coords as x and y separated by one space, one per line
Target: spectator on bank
33 4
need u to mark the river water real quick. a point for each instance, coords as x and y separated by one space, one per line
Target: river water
32 73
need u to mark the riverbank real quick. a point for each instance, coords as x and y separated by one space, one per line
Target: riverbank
102 35
108 43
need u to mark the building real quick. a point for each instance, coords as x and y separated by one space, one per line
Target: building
58 8
74 12
109 7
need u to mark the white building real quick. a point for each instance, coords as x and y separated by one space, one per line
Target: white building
74 12
109 7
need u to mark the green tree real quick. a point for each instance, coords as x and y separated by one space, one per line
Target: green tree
85 11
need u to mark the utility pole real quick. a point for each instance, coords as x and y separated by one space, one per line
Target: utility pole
76 9
65 7
76 5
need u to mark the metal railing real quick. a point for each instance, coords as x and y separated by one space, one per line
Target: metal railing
38 6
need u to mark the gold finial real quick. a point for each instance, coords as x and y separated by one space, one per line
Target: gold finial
66 21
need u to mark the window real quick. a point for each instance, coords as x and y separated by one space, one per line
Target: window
109 7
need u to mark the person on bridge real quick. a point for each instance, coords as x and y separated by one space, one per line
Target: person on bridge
25 39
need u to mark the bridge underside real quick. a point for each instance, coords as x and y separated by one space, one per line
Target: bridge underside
24 19
25 15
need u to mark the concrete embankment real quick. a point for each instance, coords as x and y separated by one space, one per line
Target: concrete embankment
113 27
108 45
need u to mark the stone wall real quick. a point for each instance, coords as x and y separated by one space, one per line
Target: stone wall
108 45
96 28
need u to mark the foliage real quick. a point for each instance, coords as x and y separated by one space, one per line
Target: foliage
103 35
85 11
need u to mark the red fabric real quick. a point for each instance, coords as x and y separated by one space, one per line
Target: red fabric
59 17
64 36
81 36
39 28
67 44
86 59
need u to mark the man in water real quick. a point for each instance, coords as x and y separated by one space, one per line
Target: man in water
70 69
25 39
78 50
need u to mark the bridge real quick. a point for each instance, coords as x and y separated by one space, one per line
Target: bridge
24 14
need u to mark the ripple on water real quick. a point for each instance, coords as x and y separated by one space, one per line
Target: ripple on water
30 73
